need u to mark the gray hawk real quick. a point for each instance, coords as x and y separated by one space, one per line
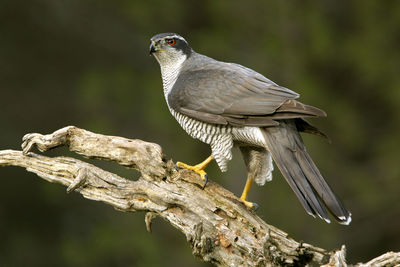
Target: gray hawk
225 105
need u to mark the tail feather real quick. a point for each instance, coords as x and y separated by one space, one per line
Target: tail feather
288 151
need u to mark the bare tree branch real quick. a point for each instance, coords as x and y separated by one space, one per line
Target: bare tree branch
217 225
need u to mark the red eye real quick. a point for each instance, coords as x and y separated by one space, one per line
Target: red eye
171 41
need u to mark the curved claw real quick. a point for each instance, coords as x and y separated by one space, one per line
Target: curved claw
205 179
199 169
250 205
177 167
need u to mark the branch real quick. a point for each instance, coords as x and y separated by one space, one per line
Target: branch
217 225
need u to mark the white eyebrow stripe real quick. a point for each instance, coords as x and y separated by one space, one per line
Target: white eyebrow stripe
173 36
178 37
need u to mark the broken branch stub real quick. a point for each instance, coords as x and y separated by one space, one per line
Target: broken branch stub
132 153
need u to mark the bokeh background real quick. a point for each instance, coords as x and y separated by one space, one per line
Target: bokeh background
86 63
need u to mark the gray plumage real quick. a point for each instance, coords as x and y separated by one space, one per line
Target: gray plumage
226 104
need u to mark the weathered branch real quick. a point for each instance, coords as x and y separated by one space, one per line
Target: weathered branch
218 227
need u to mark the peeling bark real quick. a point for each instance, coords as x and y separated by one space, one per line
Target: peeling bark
218 227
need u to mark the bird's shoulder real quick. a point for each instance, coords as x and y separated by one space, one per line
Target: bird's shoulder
198 64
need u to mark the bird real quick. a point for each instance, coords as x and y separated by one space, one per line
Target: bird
228 105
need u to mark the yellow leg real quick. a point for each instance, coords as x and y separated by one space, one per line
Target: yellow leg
246 190
199 168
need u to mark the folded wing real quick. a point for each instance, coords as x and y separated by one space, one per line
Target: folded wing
232 94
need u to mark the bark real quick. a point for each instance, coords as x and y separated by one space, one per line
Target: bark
218 227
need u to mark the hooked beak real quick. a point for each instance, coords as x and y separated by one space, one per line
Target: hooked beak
152 48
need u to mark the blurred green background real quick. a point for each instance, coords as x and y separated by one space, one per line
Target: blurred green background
86 63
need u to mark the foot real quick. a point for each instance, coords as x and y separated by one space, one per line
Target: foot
199 169
249 205
246 189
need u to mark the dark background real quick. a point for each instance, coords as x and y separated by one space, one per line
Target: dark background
86 63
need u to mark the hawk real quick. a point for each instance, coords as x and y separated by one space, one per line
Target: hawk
226 105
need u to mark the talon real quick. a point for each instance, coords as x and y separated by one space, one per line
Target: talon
199 168
202 174
205 179
255 206
250 205
182 165
177 167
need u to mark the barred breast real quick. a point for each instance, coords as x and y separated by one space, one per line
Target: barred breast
219 137
249 135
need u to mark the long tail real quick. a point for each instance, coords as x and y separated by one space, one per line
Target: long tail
289 153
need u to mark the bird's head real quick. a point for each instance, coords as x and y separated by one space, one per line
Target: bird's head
169 48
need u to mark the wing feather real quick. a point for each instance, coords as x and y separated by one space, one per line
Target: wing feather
227 93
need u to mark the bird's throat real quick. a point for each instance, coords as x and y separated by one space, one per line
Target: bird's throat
169 73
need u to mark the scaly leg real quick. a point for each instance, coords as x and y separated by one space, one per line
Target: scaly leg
246 190
199 168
